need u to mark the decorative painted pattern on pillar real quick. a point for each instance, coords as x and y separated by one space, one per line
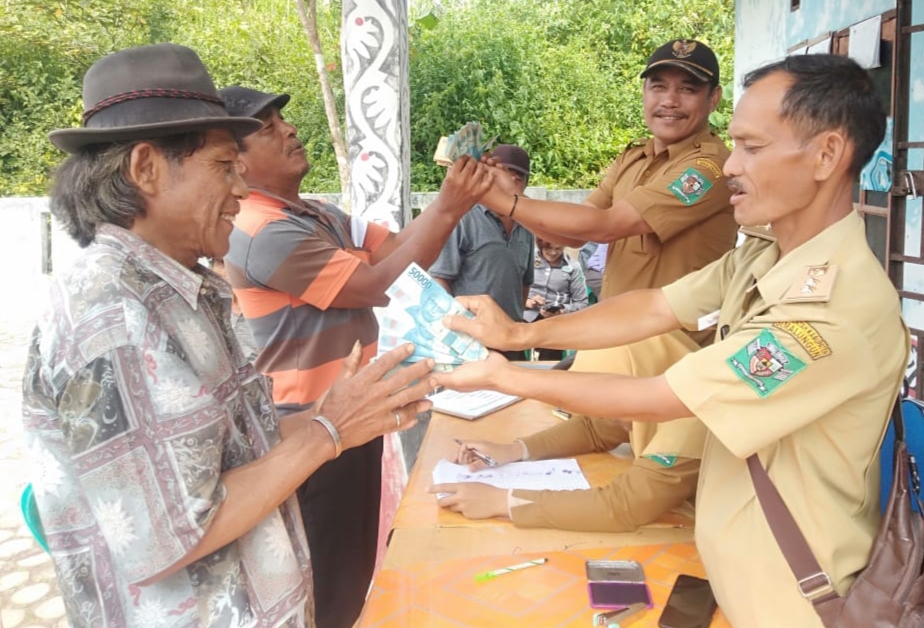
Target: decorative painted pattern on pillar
375 75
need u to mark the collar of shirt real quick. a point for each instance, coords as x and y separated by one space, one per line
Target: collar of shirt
189 283
682 147
306 206
774 276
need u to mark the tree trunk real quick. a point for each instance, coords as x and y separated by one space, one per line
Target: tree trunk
309 17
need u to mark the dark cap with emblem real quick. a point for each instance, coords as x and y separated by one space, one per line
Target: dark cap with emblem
687 54
513 157
146 93
248 103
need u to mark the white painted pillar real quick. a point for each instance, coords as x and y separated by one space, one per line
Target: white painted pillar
374 42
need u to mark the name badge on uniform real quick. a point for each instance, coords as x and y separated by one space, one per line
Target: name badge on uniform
814 285
707 320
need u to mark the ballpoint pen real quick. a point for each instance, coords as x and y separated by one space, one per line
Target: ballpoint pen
499 572
485 458
613 619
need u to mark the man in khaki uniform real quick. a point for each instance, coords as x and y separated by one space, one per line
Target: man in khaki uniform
666 213
664 199
654 484
810 355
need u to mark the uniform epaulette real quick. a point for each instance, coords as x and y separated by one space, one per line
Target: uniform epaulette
761 231
636 143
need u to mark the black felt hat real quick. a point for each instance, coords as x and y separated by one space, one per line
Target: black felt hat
147 93
687 54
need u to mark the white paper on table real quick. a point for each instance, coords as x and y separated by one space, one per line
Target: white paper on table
864 42
556 475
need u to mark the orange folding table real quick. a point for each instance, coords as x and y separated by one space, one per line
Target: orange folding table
433 555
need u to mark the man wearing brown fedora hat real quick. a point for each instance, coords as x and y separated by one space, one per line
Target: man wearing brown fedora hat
307 276
164 479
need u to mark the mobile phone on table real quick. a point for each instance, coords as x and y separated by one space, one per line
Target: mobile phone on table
690 604
616 584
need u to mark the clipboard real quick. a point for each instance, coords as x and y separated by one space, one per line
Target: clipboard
470 405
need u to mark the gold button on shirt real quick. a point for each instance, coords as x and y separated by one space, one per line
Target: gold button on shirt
805 377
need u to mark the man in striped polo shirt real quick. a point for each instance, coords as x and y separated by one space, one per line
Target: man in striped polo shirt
307 276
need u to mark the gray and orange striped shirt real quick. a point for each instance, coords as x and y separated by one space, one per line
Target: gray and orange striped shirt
287 263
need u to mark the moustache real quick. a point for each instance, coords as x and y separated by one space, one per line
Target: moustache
735 186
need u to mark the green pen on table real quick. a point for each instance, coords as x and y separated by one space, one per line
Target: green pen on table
488 575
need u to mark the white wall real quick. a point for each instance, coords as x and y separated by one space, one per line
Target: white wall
766 29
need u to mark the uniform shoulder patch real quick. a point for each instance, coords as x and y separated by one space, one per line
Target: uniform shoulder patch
765 364
709 165
808 337
662 459
690 186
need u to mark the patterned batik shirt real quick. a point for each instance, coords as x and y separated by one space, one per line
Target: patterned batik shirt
136 398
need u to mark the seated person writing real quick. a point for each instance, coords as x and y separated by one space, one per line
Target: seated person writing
663 474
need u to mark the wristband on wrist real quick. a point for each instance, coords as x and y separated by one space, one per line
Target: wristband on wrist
334 434
516 199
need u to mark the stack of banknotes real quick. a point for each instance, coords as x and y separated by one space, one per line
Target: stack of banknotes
415 314
468 140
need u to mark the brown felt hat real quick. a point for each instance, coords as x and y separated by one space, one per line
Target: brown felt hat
146 93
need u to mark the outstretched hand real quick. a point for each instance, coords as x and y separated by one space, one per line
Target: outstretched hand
466 182
491 326
369 402
480 375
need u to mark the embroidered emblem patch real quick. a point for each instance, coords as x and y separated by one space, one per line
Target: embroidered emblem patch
663 459
808 337
683 48
690 186
765 364
711 166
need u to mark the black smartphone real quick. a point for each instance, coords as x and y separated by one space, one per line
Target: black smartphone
690 604
552 308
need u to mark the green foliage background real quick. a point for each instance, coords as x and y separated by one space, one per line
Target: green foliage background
558 77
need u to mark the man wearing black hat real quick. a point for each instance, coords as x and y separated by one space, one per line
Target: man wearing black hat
663 207
491 254
164 480
307 276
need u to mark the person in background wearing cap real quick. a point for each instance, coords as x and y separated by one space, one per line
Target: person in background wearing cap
665 212
558 288
488 253
164 481
809 360
307 276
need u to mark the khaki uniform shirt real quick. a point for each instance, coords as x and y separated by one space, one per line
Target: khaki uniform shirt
682 194
663 474
813 355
